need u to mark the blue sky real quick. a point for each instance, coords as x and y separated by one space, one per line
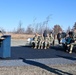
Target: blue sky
63 12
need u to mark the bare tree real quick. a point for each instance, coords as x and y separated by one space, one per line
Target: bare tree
29 29
47 20
67 31
38 27
20 29
41 26
74 27
2 30
56 29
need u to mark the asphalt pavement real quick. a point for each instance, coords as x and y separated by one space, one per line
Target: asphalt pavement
22 55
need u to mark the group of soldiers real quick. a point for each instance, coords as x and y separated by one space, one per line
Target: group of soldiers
44 41
41 42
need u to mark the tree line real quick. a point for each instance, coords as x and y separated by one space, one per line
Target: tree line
39 28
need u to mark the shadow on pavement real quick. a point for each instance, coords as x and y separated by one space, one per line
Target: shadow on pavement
30 53
57 48
66 57
43 66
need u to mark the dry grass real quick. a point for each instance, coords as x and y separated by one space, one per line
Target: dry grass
19 36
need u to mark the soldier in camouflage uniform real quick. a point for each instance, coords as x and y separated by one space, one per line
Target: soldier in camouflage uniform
35 41
51 38
40 42
46 42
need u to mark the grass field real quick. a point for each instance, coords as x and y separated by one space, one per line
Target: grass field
19 36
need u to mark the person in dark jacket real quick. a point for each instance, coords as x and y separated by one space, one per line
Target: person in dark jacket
59 36
45 34
63 35
70 42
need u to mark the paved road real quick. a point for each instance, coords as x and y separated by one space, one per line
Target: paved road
23 55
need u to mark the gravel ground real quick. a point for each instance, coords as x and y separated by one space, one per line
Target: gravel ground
36 70
27 61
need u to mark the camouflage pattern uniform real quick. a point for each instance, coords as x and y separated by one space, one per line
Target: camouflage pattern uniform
71 47
51 38
46 42
35 41
40 42
73 44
